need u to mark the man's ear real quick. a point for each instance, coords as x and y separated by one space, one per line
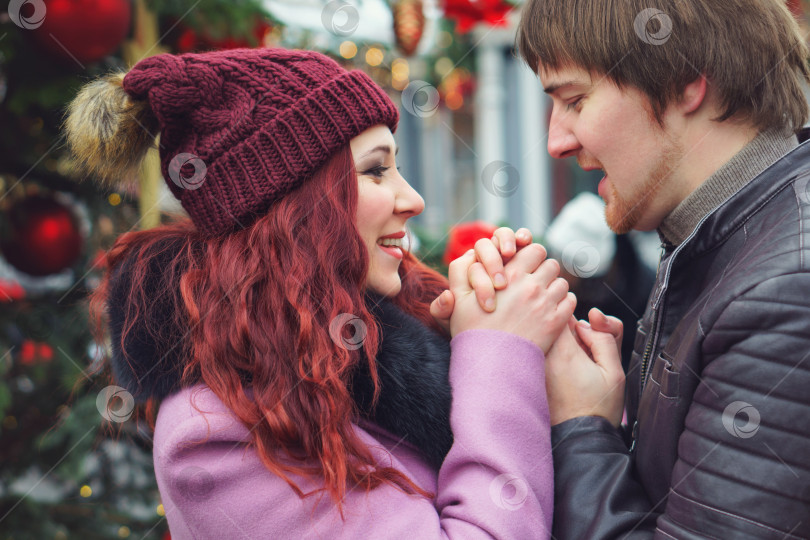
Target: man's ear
694 94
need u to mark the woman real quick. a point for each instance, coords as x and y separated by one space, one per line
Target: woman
305 386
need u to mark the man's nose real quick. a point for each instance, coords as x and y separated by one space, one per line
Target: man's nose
562 142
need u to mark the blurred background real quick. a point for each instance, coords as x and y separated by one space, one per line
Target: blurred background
74 461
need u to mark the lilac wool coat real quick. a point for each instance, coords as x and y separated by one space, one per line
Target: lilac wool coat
496 481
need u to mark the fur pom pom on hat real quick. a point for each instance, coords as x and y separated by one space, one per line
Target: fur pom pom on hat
238 128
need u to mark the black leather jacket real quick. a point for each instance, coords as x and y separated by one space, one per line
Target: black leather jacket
718 388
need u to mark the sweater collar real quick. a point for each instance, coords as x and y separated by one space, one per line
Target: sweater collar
766 148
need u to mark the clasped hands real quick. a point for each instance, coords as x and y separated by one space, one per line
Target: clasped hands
507 283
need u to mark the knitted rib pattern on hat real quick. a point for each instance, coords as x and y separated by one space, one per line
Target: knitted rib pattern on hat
241 128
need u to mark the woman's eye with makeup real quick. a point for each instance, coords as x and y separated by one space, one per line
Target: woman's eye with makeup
377 171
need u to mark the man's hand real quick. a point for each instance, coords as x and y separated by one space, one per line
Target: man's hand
493 254
584 375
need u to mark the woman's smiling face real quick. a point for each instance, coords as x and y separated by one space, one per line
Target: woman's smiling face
386 201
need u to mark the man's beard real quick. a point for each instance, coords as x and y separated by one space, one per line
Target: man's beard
622 215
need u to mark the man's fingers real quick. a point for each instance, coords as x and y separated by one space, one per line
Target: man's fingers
482 285
604 323
572 326
602 346
564 347
487 253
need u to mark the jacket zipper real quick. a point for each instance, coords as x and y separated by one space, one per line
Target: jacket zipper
648 350
645 360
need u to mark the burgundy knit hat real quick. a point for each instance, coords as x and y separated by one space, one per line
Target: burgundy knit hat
241 128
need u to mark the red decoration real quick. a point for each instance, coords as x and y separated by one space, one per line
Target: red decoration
189 40
463 237
469 12
87 30
409 23
10 291
32 352
40 236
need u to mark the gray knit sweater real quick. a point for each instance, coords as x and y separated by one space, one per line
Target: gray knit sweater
755 157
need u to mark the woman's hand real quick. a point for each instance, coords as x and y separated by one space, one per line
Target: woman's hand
535 306
493 254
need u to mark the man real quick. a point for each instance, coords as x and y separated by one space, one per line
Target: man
690 109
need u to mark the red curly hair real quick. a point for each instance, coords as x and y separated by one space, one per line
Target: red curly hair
259 301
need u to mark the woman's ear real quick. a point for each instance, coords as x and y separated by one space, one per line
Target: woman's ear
693 95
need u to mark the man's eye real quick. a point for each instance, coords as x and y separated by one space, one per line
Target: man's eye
574 104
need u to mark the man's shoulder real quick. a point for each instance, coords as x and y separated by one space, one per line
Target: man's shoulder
777 231
770 245
771 229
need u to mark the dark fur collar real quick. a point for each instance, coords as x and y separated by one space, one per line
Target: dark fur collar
413 365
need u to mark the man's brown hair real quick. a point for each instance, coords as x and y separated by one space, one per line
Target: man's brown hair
751 51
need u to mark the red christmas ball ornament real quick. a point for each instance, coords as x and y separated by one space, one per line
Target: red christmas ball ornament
87 30
463 237
40 236
409 24
11 291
